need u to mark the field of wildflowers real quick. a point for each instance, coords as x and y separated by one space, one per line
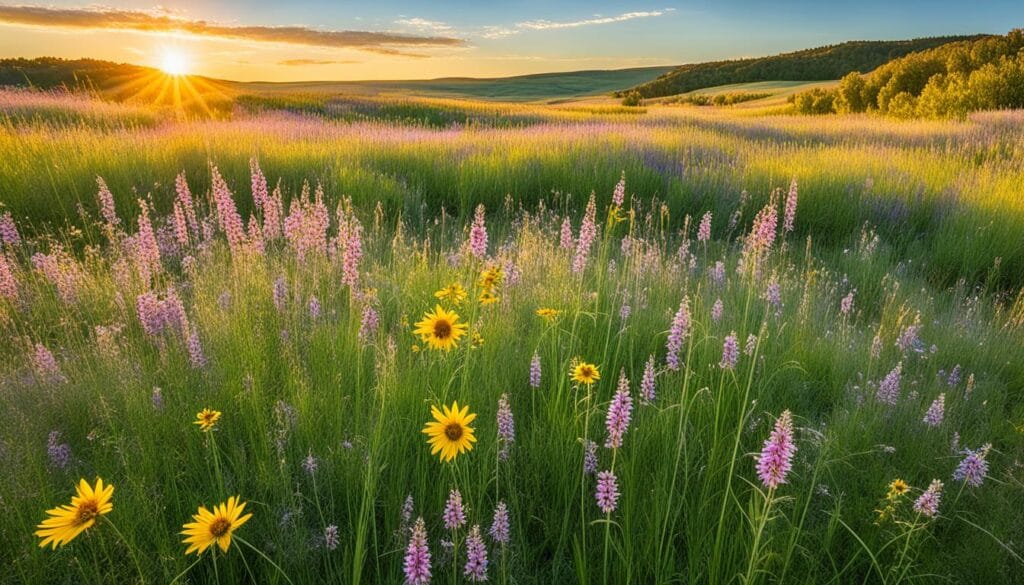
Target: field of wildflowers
587 347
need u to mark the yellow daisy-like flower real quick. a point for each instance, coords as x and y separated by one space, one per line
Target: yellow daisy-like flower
440 329
490 278
585 373
548 314
450 433
453 293
488 298
68 521
207 419
214 527
897 488
478 340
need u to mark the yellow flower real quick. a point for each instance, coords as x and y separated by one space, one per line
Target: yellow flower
68 521
548 314
453 293
450 433
897 488
585 373
487 298
478 339
490 278
440 329
207 419
214 527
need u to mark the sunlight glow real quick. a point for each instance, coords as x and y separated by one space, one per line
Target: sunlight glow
173 62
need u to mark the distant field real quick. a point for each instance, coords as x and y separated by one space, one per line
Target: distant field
779 90
546 86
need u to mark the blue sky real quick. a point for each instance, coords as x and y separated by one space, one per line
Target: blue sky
474 38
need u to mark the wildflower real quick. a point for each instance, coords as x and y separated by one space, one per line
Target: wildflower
407 510
352 250
106 201
454 514
776 458
876 346
59 453
773 294
846 305
790 212
453 293
927 503
936 411
331 537
620 412
157 398
506 427
730 352
68 521
207 419
974 467
8 230
499 526
535 371
716 310
589 457
8 281
624 311
588 232
889 387
548 314
893 497
310 464
704 229
196 357
368 323
487 298
677 333
147 252
619 194
565 237
46 365
718 272
227 214
440 329
954 377
751 345
417 556
478 234
449 432
314 308
908 338
647 390
214 527
184 200
476 556
607 493
585 373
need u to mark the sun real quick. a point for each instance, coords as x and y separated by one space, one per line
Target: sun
174 62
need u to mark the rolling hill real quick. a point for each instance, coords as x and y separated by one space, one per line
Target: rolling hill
817 64
108 78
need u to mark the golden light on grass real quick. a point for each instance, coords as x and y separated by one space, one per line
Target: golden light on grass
68 521
449 432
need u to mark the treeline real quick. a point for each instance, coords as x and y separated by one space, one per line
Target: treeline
720 99
950 81
818 64
51 72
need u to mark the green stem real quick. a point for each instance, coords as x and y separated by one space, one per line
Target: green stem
266 558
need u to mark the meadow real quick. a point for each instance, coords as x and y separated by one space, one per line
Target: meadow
694 345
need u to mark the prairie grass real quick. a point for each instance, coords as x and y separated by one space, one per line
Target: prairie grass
323 409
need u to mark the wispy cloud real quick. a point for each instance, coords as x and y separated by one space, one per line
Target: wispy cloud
424 25
385 43
304 62
549 24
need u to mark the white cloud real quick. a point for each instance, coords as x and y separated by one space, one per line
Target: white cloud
597 19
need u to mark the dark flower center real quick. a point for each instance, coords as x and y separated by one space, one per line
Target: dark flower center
453 431
86 511
586 372
220 527
442 329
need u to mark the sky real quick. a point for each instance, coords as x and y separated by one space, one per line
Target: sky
303 40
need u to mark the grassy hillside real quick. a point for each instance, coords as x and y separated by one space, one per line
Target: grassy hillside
113 78
817 64
544 86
